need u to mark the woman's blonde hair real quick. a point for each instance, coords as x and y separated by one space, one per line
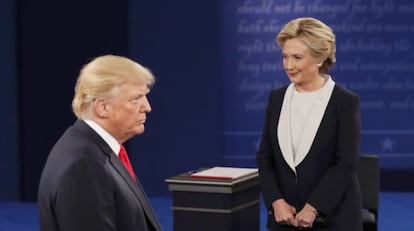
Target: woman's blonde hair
316 35
101 77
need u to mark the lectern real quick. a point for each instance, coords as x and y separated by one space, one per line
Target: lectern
204 204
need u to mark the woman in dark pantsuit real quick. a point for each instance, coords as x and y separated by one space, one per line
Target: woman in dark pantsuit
311 138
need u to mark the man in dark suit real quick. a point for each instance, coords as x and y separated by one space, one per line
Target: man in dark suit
87 182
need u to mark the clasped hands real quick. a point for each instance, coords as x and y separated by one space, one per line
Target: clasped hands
284 213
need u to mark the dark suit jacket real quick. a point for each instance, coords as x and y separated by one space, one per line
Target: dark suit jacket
326 177
85 187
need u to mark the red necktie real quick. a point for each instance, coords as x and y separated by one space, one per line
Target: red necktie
123 155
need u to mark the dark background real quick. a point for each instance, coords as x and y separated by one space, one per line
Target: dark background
43 45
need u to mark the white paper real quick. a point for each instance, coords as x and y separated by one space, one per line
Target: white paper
225 172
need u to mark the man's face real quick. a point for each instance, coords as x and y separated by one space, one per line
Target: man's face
127 111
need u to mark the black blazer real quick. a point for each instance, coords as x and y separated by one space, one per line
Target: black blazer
326 177
85 187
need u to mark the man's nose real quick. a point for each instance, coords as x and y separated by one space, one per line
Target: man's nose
147 105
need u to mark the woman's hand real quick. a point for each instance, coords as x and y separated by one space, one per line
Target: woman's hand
306 216
283 212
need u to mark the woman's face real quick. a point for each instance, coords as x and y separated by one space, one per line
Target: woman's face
300 66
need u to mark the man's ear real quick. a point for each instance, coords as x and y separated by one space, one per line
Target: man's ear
100 107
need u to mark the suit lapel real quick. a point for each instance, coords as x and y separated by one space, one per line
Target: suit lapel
118 166
137 189
283 129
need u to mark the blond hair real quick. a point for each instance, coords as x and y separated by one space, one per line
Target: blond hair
101 78
316 35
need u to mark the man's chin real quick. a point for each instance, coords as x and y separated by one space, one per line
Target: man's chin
140 129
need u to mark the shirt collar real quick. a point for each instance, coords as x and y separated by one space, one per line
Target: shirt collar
108 138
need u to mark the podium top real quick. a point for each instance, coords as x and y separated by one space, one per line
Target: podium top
187 182
225 173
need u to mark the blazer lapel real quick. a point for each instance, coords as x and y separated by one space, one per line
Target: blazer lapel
283 129
314 120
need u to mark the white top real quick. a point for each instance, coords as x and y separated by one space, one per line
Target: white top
300 110
108 138
308 128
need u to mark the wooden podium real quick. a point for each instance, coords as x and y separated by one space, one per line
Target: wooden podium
215 204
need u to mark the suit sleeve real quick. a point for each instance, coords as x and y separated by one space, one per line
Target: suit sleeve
84 200
265 160
331 187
